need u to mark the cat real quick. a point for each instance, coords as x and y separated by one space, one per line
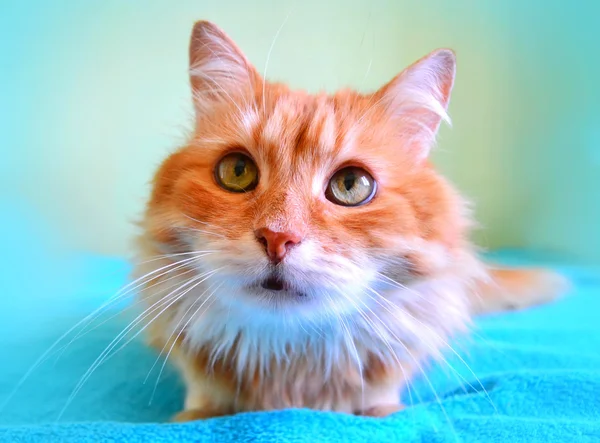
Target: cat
300 250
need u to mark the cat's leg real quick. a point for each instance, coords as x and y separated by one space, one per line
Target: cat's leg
205 397
382 410
198 414
380 400
380 395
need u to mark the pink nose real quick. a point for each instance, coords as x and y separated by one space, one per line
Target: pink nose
277 244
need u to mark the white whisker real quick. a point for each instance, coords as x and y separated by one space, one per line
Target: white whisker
119 295
445 342
349 337
192 317
420 367
81 333
382 337
199 298
269 57
170 299
141 300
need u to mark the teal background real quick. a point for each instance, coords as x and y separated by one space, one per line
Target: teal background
93 94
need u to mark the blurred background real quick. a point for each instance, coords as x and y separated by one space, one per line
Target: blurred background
94 94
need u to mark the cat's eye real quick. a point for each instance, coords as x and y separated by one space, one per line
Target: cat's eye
236 172
351 186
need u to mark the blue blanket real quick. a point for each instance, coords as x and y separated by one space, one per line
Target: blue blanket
521 377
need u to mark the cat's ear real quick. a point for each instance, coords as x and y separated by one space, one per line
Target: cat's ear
219 71
418 99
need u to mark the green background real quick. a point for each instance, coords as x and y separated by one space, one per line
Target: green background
94 93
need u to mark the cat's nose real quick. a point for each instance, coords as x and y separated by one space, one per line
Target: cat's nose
277 244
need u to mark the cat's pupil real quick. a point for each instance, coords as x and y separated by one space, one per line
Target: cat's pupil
239 167
349 181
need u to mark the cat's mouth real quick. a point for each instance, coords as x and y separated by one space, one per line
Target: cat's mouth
275 283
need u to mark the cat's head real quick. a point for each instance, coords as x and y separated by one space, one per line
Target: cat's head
301 200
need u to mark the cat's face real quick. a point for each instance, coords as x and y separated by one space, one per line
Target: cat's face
307 200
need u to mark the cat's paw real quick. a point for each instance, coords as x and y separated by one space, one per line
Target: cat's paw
197 414
381 410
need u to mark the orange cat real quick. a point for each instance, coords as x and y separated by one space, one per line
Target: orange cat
301 251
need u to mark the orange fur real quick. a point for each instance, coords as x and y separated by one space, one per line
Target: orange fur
372 281
517 288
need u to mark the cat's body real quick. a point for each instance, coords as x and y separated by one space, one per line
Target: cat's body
342 265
